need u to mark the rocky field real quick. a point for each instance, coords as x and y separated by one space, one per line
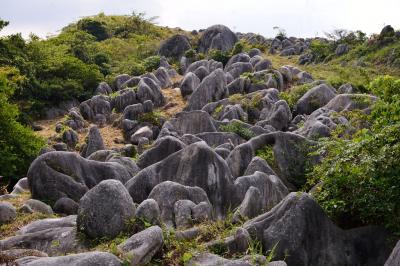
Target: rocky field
203 164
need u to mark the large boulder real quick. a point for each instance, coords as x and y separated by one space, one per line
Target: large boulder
217 37
141 247
175 47
105 210
300 232
93 258
314 99
277 114
167 193
55 175
289 155
236 69
195 165
52 236
211 89
193 122
163 77
271 188
148 89
98 105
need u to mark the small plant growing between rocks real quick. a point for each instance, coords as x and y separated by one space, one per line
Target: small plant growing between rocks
238 128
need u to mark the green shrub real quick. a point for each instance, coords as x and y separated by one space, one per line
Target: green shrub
219 56
18 145
238 128
320 50
93 27
238 48
151 63
360 174
267 153
294 94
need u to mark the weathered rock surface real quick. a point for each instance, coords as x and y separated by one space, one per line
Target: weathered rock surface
167 193
304 235
394 258
290 154
212 88
175 47
141 247
161 149
94 258
94 142
314 99
105 210
55 175
7 212
195 165
217 37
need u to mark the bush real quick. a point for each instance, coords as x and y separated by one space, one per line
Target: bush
219 56
295 93
238 48
320 50
151 63
18 145
360 175
238 128
94 27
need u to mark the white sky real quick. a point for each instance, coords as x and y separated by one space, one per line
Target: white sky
302 18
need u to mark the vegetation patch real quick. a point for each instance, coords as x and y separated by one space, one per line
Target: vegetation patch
238 128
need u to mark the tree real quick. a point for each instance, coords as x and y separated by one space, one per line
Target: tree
18 145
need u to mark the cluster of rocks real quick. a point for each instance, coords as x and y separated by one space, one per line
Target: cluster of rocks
196 169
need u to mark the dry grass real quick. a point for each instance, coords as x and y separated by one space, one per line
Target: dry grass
175 102
108 132
22 219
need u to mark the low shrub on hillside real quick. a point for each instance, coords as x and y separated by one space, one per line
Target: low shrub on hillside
360 175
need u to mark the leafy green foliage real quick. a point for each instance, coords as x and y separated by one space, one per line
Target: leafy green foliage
96 28
238 128
360 174
294 94
151 63
18 145
220 56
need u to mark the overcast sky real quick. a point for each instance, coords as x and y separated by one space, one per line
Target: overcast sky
303 18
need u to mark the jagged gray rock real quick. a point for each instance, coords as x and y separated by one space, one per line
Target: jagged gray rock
105 210
161 149
298 219
175 47
189 83
187 168
33 205
167 193
141 247
94 258
55 175
212 88
94 142
217 37
290 154
314 99
149 211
